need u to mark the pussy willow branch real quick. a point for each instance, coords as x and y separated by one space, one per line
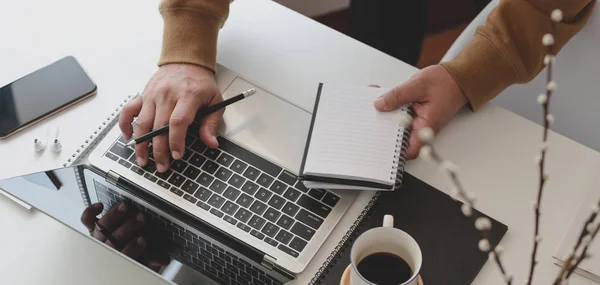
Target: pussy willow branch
542 162
470 202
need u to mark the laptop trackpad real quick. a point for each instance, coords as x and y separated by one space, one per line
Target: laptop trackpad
266 125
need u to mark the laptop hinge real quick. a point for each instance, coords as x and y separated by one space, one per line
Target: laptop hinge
112 177
268 262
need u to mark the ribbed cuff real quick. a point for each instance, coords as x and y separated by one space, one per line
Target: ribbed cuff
482 71
190 36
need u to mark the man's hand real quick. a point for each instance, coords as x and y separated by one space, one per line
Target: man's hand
435 97
172 96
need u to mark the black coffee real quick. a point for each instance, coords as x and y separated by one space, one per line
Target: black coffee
384 269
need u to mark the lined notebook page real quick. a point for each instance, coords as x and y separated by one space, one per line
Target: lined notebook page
350 138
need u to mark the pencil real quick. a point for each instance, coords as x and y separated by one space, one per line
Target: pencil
201 113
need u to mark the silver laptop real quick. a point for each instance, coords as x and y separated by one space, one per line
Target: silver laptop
236 214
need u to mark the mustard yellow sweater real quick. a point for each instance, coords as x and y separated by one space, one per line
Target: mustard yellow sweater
506 50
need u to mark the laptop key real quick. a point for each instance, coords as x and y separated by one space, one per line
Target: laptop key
290 209
263 195
191 172
288 177
271 242
284 237
303 231
237 181
245 277
163 184
245 200
205 179
258 207
243 215
223 173
309 218
179 165
230 208
285 222
216 212
197 160
121 150
210 167
276 202
203 194
256 222
212 153
150 166
176 179
257 234
112 156
250 188
251 173
292 194
270 229
297 244
216 201
190 198
314 206
218 186
203 205
330 199
300 186
287 250
278 187
164 175
265 180
177 191
230 220
189 186
124 163
225 159
198 146
249 157
187 154
316 193
231 193
243 227
272 215
238 166
150 177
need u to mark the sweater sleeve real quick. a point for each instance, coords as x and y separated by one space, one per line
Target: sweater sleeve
508 49
191 28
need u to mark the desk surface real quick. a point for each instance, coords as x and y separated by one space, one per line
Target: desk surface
494 148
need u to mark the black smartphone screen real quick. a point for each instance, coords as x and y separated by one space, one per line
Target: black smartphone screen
41 93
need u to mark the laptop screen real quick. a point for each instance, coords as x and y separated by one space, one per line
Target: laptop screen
138 226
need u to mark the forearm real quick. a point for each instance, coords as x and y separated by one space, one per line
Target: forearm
191 29
508 48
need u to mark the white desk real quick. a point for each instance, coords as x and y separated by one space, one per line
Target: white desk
118 43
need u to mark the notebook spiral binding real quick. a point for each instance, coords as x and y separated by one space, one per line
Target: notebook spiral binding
90 143
353 231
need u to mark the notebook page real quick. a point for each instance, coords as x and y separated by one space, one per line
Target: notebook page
350 138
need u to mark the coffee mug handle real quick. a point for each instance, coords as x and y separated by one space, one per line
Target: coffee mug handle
388 221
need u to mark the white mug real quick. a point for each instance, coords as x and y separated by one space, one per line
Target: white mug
386 239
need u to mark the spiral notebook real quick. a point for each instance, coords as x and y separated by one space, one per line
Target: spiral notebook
81 154
350 144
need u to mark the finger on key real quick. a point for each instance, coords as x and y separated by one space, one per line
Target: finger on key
135 248
130 111
89 215
160 144
182 117
210 124
143 123
111 221
131 228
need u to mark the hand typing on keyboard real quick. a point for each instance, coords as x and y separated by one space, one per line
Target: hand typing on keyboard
126 226
172 96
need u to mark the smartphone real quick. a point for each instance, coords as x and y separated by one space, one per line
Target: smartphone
43 93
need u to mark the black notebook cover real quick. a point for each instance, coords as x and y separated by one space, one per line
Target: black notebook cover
447 238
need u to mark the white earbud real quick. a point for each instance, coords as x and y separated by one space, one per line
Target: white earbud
39 145
56 146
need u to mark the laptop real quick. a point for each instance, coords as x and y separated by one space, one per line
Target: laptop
237 214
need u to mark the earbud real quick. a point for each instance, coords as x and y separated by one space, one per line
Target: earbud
56 146
39 145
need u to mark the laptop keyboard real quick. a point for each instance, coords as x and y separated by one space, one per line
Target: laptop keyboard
196 252
258 197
